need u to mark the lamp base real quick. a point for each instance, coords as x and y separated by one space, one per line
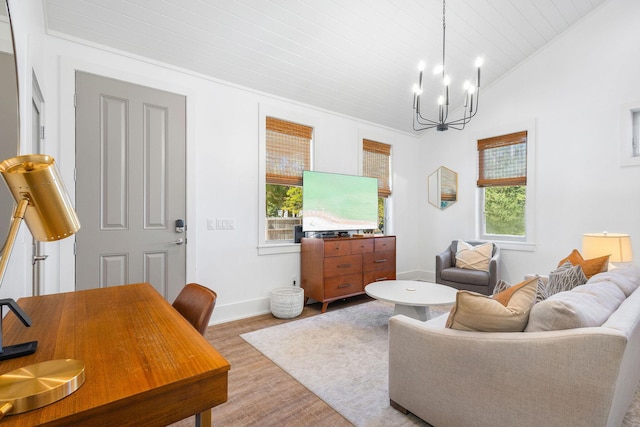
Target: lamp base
18 350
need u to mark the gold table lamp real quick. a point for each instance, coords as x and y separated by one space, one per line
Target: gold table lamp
43 203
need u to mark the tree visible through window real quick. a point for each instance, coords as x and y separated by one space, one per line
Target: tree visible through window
502 179
288 154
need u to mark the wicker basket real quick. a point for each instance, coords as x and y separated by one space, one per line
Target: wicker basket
287 302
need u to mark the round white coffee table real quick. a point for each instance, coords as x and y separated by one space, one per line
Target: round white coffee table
411 297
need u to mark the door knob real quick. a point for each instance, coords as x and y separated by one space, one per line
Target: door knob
178 241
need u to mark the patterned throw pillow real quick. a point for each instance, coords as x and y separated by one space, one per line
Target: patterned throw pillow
541 292
565 278
473 257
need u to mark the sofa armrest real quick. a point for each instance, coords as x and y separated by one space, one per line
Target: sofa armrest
451 377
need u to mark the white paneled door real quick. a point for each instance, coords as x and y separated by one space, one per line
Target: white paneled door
130 185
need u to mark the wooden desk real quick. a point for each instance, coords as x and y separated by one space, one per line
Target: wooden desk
144 364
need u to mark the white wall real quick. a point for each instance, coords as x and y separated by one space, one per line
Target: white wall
573 90
222 147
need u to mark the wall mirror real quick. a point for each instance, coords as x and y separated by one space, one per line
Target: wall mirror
443 188
9 141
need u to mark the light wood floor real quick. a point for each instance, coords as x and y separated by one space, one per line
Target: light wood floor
260 393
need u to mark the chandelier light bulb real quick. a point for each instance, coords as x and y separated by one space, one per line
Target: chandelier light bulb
416 89
446 80
466 85
471 89
421 65
440 100
479 62
438 69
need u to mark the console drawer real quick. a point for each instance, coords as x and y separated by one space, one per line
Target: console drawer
343 285
379 261
378 275
361 246
385 244
339 266
337 248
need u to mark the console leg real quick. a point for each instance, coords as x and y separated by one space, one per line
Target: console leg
324 307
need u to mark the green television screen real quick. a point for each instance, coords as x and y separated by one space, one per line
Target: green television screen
335 202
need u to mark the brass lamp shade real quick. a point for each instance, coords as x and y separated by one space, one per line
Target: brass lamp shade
617 245
35 177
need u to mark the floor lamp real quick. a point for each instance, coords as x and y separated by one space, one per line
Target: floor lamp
43 203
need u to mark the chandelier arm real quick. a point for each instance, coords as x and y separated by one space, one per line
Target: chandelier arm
419 118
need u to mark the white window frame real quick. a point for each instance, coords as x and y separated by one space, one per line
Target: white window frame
295 115
527 242
629 154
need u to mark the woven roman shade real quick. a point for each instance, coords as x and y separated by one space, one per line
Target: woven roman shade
288 151
376 164
502 160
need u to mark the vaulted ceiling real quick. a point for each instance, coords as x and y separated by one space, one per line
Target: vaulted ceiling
354 57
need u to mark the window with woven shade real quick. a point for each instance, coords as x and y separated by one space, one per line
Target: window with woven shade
288 151
288 154
502 182
376 163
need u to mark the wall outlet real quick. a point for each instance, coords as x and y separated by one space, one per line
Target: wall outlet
211 224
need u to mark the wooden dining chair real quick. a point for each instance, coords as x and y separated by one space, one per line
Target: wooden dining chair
195 303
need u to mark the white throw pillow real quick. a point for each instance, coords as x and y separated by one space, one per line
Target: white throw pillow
473 257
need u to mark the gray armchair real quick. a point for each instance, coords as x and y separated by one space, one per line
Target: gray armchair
472 280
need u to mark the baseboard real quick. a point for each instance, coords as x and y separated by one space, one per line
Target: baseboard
426 276
243 309
240 310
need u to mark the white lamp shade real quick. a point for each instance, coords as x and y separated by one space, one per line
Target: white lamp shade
617 245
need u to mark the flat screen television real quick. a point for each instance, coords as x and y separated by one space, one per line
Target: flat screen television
336 202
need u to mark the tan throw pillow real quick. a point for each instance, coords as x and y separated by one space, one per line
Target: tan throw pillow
476 312
473 257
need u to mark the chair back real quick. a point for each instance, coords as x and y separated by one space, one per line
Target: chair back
454 247
195 303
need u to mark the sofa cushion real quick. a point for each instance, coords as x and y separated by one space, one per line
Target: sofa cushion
476 312
473 257
626 277
463 275
590 267
584 306
565 278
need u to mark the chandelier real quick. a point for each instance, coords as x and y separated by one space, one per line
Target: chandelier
471 95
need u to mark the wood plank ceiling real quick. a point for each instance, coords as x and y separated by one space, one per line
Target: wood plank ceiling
354 57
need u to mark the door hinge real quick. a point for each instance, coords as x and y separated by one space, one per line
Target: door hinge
75 174
42 132
74 248
74 100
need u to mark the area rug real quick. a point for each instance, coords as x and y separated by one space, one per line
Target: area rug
342 357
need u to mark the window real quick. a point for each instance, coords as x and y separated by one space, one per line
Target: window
377 164
288 154
502 182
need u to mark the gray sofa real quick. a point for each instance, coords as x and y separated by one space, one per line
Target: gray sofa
461 278
582 376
